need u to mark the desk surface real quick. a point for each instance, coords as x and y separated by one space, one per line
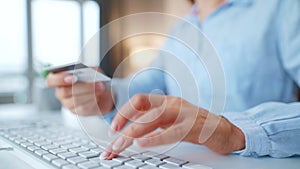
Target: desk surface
190 152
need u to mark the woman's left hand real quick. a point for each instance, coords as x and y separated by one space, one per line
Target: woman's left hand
178 119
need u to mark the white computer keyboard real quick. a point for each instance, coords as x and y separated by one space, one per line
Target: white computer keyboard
66 149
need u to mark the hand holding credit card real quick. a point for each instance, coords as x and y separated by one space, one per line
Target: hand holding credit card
81 71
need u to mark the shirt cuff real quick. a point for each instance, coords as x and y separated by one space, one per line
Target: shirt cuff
257 142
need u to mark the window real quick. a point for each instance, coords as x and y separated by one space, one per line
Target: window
56 31
13 44
59 30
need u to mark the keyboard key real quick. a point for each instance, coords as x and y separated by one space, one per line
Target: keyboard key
89 146
160 156
134 163
88 154
101 167
57 150
49 157
78 149
59 162
140 157
19 141
110 163
81 142
33 140
41 143
97 150
154 162
150 153
121 159
41 152
169 166
155 155
26 144
195 166
95 159
148 167
128 153
33 148
14 138
70 166
48 147
66 155
75 160
68 146
123 167
88 165
60 143
175 161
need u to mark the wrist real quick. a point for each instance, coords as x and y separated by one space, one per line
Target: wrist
237 139
226 138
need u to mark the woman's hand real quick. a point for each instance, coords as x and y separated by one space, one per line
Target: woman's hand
81 98
178 119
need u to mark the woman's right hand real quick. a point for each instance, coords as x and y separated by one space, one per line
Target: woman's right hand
79 97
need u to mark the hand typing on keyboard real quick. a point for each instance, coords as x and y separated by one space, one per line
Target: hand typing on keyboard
179 121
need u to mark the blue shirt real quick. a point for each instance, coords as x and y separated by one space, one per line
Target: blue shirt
258 44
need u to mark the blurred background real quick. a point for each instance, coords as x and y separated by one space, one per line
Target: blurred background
37 33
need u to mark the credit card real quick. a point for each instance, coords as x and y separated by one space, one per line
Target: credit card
81 71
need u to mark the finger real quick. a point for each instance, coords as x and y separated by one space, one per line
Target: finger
88 89
83 99
113 151
60 79
68 103
90 107
171 135
63 92
131 110
85 107
134 106
79 89
145 124
136 130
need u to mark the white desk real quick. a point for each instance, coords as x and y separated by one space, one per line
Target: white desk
190 152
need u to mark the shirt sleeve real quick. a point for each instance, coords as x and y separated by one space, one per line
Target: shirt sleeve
274 128
270 129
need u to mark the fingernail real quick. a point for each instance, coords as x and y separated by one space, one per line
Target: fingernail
103 155
118 143
70 79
